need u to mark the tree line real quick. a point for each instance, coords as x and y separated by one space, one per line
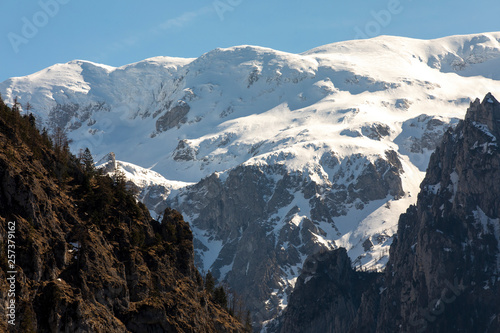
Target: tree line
228 300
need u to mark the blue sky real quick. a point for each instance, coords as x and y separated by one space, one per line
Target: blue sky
36 34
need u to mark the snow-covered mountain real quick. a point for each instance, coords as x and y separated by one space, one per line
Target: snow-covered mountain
271 155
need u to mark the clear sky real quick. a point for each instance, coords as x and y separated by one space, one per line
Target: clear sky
36 34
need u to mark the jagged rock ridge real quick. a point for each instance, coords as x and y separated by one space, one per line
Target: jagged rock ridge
443 274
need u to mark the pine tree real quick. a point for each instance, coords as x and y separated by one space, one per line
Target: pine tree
87 161
248 322
28 107
15 105
31 118
63 154
46 138
209 283
61 143
220 297
119 178
59 138
120 182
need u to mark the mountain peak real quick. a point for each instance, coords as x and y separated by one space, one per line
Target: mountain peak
486 112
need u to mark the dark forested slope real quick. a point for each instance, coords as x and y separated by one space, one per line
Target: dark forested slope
88 257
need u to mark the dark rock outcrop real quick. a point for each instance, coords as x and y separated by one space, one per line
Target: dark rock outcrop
184 152
327 295
376 131
173 117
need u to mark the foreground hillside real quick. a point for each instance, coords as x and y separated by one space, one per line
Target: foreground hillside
273 156
443 274
84 255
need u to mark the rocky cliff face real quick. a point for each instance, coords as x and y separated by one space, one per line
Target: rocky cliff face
443 274
327 295
265 220
88 257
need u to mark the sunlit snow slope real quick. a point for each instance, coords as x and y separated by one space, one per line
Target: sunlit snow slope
288 153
